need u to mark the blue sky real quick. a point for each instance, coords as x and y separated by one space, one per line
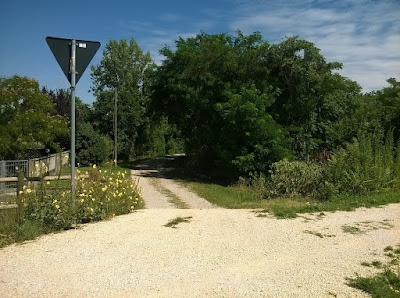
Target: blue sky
362 34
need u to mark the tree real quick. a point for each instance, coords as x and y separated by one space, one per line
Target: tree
311 98
27 118
124 67
213 87
91 147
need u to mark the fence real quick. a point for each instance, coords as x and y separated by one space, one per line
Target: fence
51 164
9 168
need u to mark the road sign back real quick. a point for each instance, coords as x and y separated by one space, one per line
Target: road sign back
61 49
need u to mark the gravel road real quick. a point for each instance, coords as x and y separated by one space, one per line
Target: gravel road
156 187
218 253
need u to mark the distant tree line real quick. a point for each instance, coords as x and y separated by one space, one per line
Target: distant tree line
231 102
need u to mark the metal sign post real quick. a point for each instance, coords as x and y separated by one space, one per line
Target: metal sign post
73 56
73 76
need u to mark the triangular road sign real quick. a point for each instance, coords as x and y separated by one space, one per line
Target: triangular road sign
61 49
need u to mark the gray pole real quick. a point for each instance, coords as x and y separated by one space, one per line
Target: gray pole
73 73
115 125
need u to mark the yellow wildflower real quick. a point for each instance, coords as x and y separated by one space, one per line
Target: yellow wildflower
28 190
94 166
24 187
55 201
83 200
93 199
57 206
48 183
104 188
36 165
20 192
132 207
99 171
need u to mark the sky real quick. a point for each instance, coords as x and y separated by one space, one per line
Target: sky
364 35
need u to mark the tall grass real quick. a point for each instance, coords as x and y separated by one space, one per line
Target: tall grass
370 163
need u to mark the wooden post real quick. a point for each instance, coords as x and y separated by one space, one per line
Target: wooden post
20 187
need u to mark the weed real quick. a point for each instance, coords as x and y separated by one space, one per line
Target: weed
383 284
236 197
377 264
314 233
318 234
174 222
351 230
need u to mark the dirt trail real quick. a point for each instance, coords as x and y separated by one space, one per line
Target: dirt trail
159 192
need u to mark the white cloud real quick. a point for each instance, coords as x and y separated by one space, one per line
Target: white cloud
364 35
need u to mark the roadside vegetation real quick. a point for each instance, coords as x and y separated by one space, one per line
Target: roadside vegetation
270 126
101 193
385 283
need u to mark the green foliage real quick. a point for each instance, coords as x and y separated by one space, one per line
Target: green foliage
91 147
368 164
384 284
213 87
26 120
125 68
295 178
106 193
312 99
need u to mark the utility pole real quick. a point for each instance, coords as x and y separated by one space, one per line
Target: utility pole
115 126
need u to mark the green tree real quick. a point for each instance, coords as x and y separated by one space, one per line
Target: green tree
62 103
91 147
312 98
27 118
213 87
126 68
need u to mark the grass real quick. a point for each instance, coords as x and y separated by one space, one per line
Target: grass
239 197
366 226
174 222
383 284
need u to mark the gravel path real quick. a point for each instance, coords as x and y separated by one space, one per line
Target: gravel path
219 253
150 171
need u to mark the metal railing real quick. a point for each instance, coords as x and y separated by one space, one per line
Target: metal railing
9 168
35 167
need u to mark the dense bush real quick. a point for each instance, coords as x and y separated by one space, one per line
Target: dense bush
91 147
369 163
297 178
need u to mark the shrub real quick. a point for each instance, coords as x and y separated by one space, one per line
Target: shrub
91 147
294 178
